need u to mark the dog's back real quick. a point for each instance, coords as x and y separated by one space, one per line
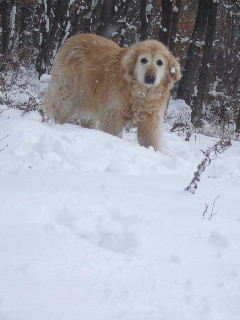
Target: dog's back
78 76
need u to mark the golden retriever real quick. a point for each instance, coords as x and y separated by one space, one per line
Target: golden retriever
106 87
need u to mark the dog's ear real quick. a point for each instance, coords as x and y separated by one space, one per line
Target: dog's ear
174 69
128 63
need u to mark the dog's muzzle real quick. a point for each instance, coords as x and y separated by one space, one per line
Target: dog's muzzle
149 78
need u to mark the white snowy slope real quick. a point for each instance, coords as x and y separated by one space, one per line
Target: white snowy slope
94 227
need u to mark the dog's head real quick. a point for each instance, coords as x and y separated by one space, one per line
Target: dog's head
151 64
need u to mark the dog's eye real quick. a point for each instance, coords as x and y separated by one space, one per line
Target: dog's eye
144 60
159 62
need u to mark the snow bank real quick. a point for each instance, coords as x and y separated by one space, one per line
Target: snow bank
51 146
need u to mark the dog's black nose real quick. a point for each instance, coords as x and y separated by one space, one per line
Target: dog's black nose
149 78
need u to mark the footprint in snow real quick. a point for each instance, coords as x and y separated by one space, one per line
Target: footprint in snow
218 239
103 229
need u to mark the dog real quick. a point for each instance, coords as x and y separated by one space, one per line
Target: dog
103 86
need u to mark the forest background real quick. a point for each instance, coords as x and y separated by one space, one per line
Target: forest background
203 34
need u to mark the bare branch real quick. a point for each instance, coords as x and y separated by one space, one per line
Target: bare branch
213 213
2 101
205 210
210 154
213 205
4 148
6 144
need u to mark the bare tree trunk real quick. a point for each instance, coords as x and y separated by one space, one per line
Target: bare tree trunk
54 28
188 84
174 24
8 17
5 37
106 18
143 19
238 122
126 21
206 69
227 64
166 22
81 17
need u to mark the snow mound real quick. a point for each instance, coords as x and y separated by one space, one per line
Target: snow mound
179 112
51 146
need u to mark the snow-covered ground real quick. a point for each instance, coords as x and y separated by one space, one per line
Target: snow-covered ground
94 227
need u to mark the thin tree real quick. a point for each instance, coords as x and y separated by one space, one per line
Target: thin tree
206 71
166 22
187 86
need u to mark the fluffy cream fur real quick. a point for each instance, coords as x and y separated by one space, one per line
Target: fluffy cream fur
106 87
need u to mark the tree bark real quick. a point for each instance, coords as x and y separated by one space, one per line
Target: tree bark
174 24
54 28
188 84
8 16
4 11
106 18
143 19
206 72
166 21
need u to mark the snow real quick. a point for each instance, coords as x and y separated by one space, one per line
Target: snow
149 8
185 39
96 227
178 112
199 44
175 9
46 16
12 20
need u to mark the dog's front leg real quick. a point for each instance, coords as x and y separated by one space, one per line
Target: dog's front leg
150 132
112 123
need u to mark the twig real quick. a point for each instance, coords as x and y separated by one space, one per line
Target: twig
7 135
212 209
212 212
210 154
2 149
205 210
2 101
